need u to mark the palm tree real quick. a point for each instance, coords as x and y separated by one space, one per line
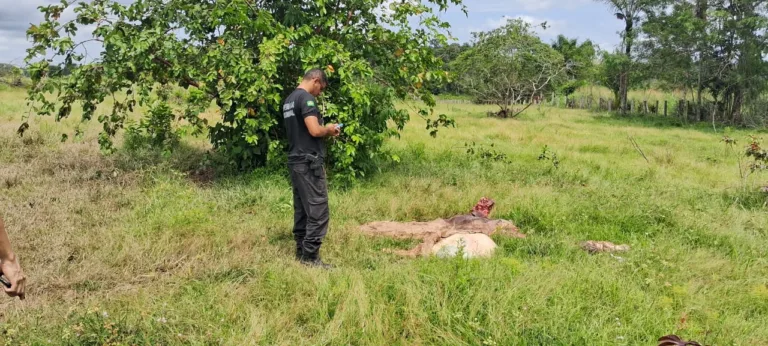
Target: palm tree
579 59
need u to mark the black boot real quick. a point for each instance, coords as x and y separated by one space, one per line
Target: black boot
299 251
312 259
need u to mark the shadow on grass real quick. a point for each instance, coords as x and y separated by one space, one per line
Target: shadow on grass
203 167
182 158
206 167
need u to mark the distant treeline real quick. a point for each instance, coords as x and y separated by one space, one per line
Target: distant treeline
9 70
713 51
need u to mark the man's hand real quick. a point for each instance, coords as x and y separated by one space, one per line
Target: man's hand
11 269
333 130
316 130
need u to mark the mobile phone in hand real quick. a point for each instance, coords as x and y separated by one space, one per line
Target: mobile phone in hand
339 126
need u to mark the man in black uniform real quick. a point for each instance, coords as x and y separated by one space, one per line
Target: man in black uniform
306 154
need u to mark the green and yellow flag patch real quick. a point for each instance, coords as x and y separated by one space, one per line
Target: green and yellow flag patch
310 103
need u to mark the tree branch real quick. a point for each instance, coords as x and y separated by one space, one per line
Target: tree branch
187 80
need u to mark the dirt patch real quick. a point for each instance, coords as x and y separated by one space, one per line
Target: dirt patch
433 232
203 176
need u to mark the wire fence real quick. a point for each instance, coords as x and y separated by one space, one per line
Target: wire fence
685 110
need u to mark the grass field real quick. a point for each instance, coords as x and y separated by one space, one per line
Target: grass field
596 92
131 249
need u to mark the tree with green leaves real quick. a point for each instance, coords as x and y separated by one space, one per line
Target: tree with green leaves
6 69
448 53
509 65
611 69
739 49
675 47
630 12
580 59
711 47
244 56
11 75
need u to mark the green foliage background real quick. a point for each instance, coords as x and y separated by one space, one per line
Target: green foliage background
245 56
509 64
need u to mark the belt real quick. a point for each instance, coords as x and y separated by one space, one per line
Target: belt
316 162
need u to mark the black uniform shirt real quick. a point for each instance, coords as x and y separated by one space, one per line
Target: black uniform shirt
299 105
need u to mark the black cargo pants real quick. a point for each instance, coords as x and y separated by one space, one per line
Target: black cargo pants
310 205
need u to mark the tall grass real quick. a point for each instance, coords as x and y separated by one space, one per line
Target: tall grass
122 250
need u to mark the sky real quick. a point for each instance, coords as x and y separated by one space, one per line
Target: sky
582 19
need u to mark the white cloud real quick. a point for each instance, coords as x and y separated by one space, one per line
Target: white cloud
485 6
535 5
17 15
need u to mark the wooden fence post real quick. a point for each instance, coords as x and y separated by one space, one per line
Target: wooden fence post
645 106
657 107
631 106
665 108
610 105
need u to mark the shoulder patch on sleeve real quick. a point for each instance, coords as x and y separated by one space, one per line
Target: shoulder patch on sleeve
310 103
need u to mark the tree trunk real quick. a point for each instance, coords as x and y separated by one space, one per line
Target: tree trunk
701 14
683 108
504 112
699 105
521 111
738 101
624 79
629 24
